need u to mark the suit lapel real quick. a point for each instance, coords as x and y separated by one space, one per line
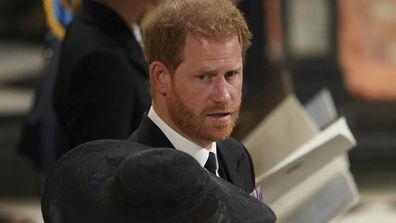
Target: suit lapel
149 134
227 164
230 161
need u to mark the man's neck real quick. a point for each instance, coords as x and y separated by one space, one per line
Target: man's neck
168 121
180 142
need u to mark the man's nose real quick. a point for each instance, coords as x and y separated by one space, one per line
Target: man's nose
221 90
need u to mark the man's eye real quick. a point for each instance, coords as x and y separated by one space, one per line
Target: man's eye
230 74
203 76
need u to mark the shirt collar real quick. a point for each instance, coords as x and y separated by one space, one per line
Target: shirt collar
181 143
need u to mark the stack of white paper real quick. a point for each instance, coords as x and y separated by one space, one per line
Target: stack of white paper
335 140
285 129
321 108
301 168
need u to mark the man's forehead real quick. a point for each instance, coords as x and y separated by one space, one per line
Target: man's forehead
197 38
195 45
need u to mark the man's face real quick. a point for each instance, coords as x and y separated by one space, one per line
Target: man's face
205 94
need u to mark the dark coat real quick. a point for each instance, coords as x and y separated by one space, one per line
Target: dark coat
235 164
42 138
101 89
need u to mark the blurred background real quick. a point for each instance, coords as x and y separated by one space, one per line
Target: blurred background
299 46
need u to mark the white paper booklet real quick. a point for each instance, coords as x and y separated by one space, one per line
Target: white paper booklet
284 130
321 108
333 141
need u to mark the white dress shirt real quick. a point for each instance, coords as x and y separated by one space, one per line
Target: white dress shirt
183 144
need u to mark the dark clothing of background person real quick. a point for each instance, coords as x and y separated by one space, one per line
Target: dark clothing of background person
101 90
235 163
42 138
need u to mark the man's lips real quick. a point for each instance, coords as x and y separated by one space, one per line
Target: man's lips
220 116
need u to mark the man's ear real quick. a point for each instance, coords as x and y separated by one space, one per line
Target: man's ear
160 77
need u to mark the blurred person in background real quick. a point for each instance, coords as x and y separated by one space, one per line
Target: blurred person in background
42 136
101 87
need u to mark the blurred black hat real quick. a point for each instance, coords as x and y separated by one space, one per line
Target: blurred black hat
124 182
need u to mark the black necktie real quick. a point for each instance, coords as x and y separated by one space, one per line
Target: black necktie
210 164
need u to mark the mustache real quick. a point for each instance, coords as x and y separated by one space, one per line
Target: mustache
221 108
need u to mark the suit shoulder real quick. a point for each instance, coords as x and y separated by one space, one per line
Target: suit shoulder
234 146
231 142
84 38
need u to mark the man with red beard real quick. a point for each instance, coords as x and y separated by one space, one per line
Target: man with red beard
195 49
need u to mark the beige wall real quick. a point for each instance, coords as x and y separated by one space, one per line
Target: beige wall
367 47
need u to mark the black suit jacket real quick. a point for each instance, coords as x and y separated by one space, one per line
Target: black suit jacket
235 164
101 89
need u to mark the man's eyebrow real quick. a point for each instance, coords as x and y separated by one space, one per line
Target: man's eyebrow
209 70
206 71
236 68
